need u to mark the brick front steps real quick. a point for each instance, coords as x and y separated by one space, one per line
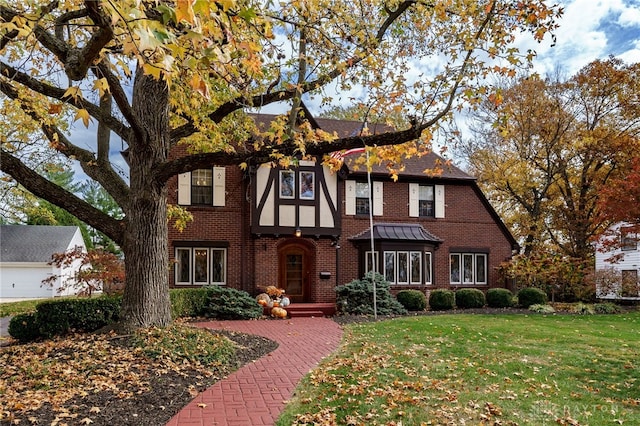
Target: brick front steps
299 310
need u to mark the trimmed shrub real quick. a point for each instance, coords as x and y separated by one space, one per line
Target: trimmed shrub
469 298
356 297
188 302
583 309
442 300
57 317
24 327
229 303
499 298
531 296
542 309
412 300
606 308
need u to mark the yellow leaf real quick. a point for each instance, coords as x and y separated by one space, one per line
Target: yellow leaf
184 11
202 405
86 421
84 115
94 410
101 86
72 91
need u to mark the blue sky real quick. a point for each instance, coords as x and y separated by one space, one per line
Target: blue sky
591 29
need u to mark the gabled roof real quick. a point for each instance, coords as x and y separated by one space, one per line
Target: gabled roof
398 232
34 243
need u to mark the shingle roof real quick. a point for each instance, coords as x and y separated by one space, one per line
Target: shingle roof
397 231
33 243
413 167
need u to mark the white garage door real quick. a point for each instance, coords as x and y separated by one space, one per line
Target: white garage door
24 282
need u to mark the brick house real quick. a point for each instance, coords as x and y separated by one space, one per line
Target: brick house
307 229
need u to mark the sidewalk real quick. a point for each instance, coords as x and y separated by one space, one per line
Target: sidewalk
256 394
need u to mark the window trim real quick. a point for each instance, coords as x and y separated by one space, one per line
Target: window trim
191 250
428 268
462 275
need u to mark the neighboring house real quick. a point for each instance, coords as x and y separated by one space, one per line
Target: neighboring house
618 270
306 229
25 251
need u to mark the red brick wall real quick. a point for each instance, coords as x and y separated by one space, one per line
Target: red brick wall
253 261
467 224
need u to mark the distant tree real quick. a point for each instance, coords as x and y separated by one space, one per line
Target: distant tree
545 148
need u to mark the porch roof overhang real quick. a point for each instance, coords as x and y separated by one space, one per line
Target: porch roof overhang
408 232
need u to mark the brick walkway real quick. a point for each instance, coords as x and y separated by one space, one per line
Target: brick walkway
256 394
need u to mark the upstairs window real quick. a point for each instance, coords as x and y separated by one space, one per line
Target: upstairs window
628 239
362 198
426 201
202 187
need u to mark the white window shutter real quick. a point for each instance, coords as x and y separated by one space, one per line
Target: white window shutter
350 197
184 189
378 199
439 195
219 193
414 195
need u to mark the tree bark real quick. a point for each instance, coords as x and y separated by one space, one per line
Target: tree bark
146 296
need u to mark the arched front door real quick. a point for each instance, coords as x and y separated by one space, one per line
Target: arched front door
294 270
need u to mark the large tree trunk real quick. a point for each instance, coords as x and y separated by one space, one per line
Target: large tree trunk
146 295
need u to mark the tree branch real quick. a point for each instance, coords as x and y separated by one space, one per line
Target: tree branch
57 93
43 188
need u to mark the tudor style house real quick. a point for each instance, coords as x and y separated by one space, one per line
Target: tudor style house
307 229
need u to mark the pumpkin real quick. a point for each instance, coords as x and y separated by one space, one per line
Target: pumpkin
279 312
262 302
285 302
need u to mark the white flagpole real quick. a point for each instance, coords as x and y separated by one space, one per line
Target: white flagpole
373 257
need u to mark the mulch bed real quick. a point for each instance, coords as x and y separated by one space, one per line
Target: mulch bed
167 394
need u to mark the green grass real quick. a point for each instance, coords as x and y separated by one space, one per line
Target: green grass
478 369
14 308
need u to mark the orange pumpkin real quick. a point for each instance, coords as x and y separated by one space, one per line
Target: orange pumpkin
279 312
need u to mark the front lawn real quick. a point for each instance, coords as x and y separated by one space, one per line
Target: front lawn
478 369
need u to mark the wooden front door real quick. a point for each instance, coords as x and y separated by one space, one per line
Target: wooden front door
294 271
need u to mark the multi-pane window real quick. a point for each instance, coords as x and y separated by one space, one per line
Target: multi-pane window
407 267
201 266
629 240
371 266
427 268
630 284
362 198
202 186
426 201
468 268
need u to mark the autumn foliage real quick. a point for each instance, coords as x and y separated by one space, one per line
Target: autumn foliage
95 270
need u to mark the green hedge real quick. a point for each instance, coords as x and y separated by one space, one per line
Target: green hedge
412 300
531 296
24 327
356 297
470 298
188 302
230 304
60 316
442 300
499 298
